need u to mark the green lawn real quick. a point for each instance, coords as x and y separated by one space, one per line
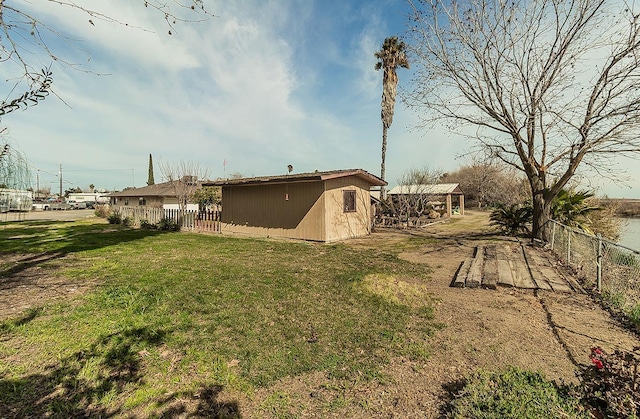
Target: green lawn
176 315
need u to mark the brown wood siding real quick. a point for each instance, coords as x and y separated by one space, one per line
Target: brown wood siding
342 225
292 210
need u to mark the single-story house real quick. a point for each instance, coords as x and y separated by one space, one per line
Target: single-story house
448 191
160 195
320 206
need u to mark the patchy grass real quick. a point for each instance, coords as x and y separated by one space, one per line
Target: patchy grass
182 316
514 393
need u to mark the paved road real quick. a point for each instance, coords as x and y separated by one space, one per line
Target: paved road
68 215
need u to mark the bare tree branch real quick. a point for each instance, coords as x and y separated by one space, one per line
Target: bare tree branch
40 89
24 36
185 177
551 84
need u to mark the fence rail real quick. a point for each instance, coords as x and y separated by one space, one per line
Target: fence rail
190 220
611 268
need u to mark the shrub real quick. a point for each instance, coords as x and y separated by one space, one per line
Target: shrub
114 218
634 315
168 225
610 387
615 300
514 394
102 211
127 222
513 220
146 225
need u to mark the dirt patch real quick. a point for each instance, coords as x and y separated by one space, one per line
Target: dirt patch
29 281
546 331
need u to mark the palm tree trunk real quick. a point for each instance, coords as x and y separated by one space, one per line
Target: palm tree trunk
383 192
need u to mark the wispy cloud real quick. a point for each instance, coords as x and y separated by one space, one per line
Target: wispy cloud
261 85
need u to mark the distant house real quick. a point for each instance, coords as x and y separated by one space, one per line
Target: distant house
447 191
320 206
161 195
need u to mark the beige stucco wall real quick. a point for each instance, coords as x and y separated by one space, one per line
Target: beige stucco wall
343 225
134 201
304 210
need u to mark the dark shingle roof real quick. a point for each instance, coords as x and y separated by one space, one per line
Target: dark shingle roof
159 189
300 177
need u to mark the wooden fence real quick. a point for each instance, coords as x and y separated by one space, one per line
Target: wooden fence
190 220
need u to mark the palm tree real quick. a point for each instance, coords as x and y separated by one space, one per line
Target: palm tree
390 57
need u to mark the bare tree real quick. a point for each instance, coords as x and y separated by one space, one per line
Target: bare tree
414 197
550 85
27 38
487 183
185 178
14 169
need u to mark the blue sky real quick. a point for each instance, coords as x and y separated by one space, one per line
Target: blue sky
262 85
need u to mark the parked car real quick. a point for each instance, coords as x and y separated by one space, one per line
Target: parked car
59 206
76 204
90 204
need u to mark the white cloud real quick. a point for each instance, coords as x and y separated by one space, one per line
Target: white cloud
261 85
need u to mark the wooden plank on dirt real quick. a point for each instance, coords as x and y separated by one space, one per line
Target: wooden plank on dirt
475 271
522 276
490 277
537 276
556 282
461 275
505 276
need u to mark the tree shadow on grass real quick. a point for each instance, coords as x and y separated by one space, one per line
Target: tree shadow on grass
78 385
26 318
207 406
452 390
30 244
85 383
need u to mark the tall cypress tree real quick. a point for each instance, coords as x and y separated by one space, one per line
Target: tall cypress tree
150 180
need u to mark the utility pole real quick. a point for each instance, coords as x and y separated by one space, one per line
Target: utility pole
60 176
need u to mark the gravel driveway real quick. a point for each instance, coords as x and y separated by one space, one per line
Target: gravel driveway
61 215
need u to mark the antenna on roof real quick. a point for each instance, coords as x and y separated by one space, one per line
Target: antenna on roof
290 168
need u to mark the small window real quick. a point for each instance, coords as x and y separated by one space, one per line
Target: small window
142 201
349 201
126 201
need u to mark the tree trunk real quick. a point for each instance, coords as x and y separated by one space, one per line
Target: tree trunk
541 229
383 192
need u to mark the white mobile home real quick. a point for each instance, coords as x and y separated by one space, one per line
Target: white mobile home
97 197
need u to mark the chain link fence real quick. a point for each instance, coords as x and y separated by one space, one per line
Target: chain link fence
612 269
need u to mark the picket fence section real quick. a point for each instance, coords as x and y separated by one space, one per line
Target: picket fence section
189 220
